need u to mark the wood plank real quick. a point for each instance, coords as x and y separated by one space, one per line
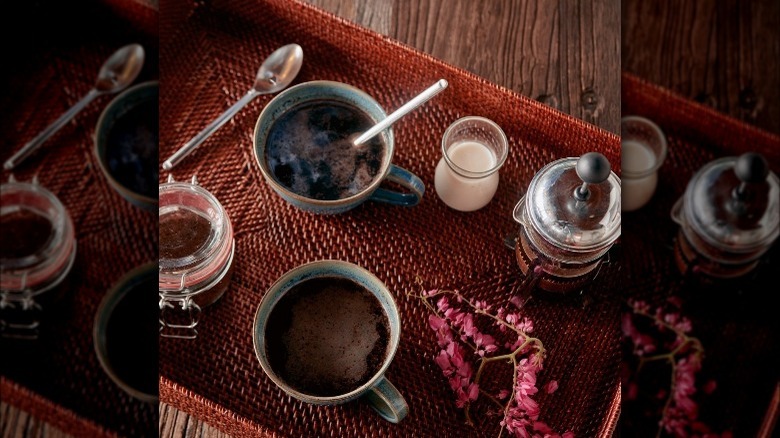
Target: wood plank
563 53
725 53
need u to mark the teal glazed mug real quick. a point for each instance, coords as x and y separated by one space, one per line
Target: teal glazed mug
320 162
382 396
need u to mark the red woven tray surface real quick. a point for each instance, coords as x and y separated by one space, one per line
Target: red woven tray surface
209 57
738 330
59 379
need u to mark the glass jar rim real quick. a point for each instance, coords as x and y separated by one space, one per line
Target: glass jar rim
196 272
465 172
659 158
48 266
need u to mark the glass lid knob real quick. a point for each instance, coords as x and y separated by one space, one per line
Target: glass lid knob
592 168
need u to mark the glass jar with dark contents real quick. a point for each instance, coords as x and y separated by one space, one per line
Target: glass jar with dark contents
37 250
196 255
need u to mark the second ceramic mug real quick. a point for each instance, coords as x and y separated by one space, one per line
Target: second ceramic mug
377 391
346 95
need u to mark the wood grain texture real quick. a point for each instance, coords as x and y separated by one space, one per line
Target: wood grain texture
564 53
18 423
725 53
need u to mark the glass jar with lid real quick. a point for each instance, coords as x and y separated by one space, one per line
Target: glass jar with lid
729 216
37 251
196 255
569 218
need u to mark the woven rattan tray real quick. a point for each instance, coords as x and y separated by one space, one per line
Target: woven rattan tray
58 379
738 331
209 56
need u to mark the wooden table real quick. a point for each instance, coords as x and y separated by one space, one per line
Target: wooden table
725 54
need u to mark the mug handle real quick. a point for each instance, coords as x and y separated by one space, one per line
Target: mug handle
405 178
387 401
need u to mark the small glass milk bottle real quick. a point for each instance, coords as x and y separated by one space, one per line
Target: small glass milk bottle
474 149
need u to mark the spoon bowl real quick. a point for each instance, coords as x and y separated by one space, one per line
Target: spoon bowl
279 69
120 69
276 73
117 72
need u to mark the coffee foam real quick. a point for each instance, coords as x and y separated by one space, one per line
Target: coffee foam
310 151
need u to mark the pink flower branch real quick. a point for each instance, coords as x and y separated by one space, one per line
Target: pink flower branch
454 319
684 355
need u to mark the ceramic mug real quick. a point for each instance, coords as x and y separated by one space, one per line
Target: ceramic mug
377 391
351 96
119 107
143 329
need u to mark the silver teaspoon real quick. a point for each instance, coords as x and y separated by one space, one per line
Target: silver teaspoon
119 71
276 73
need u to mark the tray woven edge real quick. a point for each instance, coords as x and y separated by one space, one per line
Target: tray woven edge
55 414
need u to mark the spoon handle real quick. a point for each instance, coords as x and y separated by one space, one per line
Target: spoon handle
190 146
44 135
421 98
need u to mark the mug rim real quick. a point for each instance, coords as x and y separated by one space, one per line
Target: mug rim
105 310
270 302
102 124
276 185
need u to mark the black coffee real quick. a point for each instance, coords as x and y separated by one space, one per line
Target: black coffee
327 336
131 149
23 233
309 150
132 337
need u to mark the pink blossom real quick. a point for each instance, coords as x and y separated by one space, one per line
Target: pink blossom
643 344
456 382
526 325
436 323
710 387
444 336
542 427
462 398
454 315
468 325
465 370
520 340
443 303
517 301
473 391
481 305
443 361
431 293
684 325
640 306
568 434
504 393
551 386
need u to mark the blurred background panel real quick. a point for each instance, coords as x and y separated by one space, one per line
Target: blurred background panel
723 53
52 52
